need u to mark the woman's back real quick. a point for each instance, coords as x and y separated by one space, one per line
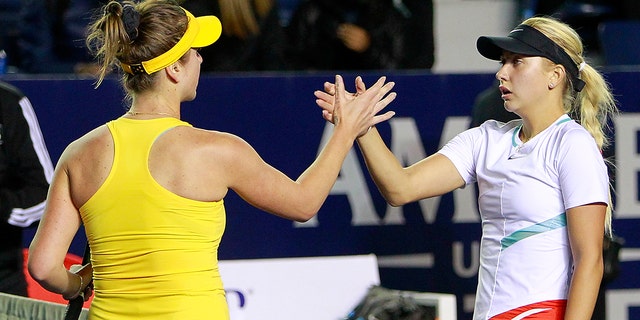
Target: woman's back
149 244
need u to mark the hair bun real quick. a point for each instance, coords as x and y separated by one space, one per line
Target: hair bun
113 7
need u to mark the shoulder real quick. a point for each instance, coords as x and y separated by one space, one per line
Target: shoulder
211 143
10 97
92 143
211 137
499 126
573 133
7 90
493 129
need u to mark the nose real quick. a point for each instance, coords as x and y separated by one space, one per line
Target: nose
501 74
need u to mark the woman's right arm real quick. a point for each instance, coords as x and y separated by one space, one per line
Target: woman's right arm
432 176
270 190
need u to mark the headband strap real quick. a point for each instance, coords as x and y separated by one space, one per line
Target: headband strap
174 54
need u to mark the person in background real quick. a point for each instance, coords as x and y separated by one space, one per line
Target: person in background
149 188
252 38
361 35
51 37
25 174
544 188
489 105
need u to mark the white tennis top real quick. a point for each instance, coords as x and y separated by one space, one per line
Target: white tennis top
524 192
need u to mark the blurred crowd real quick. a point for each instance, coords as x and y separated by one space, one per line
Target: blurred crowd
46 36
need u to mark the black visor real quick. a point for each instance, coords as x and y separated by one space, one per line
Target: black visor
529 41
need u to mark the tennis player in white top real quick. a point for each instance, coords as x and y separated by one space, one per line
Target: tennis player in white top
543 183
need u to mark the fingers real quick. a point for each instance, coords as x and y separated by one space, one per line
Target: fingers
383 103
339 95
377 97
88 292
383 117
329 88
360 86
327 115
324 100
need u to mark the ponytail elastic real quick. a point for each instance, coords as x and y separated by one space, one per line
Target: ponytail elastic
131 20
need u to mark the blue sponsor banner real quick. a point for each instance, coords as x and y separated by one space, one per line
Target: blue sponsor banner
431 245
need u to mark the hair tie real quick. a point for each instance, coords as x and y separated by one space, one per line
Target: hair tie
581 66
131 20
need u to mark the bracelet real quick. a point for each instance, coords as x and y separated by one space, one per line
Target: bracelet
77 293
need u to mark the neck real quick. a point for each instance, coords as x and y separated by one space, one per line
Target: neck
531 128
153 104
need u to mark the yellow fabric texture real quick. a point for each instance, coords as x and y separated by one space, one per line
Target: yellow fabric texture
154 253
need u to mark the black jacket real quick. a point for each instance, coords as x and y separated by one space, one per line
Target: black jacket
25 171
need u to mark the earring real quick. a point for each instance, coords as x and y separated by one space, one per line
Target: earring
552 85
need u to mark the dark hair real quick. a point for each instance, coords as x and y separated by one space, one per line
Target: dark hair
129 32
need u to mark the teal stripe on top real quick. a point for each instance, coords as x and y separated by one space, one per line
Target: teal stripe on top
516 131
559 221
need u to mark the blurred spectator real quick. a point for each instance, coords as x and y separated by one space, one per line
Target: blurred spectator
489 105
362 34
584 16
52 36
252 37
9 28
25 173
46 36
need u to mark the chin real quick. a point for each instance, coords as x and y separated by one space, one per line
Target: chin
509 107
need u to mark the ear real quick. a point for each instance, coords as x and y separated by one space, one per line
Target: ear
556 75
174 72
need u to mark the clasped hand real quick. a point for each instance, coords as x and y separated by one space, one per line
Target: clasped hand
361 107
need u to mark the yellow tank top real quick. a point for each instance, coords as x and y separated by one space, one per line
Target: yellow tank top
154 253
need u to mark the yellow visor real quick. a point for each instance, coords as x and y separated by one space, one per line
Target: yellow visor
201 32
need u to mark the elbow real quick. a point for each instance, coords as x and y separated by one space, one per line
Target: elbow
593 263
395 199
304 216
395 202
37 271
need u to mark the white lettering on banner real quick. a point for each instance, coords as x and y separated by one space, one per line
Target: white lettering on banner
407 146
618 303
627 127
459 257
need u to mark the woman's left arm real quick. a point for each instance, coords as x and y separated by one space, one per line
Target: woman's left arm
585 225
51 242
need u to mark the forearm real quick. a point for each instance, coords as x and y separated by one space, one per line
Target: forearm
60 280
583 292
319 178
385 169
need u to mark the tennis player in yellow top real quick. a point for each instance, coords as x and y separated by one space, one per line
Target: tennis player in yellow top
149 188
